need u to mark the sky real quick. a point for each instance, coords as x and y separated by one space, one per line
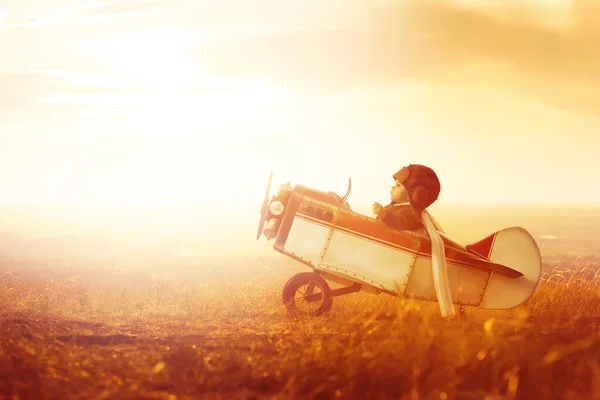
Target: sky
190 104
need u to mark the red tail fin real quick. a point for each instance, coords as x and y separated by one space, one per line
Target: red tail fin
484 246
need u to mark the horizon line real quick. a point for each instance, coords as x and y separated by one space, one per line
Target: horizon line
257 207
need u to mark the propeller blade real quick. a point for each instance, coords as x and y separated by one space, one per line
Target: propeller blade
266 200
263 209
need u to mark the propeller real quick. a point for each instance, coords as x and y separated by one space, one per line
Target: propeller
263 209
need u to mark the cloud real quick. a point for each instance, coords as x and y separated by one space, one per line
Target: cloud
426 40
319 59
562 55
49 99
130 6
95 11
22 90
556 66
305 47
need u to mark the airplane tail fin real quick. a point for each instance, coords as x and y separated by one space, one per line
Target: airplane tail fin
515 248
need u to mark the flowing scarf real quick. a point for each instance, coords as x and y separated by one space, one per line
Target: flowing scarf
438 265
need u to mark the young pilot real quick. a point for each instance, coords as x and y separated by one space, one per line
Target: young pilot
415 188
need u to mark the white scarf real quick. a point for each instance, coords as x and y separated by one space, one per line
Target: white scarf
438 265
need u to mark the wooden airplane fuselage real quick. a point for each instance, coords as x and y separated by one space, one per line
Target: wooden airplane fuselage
500 271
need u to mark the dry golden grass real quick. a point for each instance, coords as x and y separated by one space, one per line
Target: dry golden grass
230 339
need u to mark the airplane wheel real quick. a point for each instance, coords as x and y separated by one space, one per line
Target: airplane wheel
307 294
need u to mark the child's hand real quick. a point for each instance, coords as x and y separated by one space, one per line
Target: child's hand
377 208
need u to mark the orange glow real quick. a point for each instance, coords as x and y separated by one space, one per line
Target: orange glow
176 106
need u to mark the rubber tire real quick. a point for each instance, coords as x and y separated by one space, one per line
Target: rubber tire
299 280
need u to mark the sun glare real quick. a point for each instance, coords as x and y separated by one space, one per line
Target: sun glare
194 132
157 58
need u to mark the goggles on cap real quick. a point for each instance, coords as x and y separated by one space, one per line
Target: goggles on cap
402 175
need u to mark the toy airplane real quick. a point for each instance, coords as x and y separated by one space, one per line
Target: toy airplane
320 230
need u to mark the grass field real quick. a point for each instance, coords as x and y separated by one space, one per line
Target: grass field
227 336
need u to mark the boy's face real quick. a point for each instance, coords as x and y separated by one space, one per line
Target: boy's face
399 194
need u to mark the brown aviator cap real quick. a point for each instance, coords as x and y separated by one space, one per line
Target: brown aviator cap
422 184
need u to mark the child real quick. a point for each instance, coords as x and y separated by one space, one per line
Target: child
416 187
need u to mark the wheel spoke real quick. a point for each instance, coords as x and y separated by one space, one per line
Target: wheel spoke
304 304
304 290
